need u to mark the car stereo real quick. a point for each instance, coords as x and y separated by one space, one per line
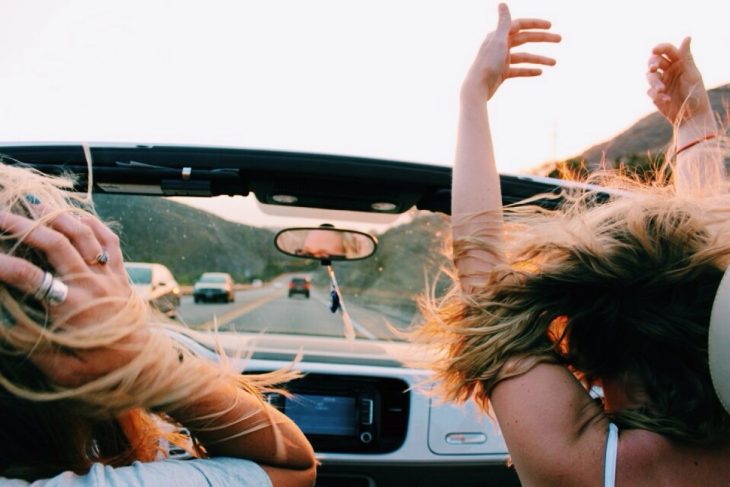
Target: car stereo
347 414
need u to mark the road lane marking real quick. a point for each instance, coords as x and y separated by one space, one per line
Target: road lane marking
363 331
238 312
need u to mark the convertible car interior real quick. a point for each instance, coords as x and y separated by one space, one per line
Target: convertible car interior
367 412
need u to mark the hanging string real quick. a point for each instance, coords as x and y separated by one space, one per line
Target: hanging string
337 303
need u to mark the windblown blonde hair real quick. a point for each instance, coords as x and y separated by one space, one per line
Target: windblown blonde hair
163 374
618 290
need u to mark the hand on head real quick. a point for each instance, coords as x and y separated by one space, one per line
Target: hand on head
90 286
495 62
675 83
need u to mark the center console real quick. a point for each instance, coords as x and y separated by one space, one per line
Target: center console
347 414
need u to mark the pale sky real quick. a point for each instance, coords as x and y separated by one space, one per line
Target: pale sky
373 78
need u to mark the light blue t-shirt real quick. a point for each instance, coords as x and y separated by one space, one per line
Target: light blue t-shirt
219 471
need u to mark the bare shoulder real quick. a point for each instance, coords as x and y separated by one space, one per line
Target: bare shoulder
555 432
647 458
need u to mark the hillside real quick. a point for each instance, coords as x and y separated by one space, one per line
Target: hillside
191 241
645 140
408 257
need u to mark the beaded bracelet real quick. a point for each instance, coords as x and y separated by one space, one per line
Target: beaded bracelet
695 142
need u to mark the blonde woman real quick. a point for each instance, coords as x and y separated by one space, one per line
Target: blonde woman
85 377
616 295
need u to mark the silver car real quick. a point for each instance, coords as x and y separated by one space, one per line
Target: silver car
155 283
214 286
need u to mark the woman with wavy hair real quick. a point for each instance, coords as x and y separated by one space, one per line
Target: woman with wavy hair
549 304
87 378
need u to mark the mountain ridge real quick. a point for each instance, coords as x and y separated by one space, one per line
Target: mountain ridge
645 140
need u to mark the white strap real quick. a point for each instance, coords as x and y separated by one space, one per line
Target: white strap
609 466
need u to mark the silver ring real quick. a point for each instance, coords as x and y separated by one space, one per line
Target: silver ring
102 258
45 286
58 293
52 290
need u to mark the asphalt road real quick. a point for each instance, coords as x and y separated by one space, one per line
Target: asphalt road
268 310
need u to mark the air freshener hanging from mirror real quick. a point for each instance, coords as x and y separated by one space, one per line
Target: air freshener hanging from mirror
338 303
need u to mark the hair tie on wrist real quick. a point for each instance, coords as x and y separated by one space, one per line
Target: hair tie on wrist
695 142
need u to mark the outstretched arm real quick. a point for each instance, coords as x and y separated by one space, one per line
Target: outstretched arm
550 424
677 90
476 198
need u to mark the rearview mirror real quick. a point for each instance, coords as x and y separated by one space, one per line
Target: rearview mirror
326 244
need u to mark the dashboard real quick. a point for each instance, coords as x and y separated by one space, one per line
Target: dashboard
348 414
372 420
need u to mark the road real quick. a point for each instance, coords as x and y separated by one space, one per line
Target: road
268 309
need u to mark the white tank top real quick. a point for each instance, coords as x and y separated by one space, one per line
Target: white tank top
609 464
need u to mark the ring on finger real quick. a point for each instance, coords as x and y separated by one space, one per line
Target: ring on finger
44 287
52 290
102 258
58 293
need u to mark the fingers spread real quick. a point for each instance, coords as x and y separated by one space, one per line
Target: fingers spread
523 72
521 24
523 37
56 247
524 57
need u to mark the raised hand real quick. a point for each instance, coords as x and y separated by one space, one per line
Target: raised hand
675 84
495 62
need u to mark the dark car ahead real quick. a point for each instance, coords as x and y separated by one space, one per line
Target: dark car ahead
299 285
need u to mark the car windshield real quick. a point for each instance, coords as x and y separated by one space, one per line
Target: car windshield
310 77
212 278
379 292
139 275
